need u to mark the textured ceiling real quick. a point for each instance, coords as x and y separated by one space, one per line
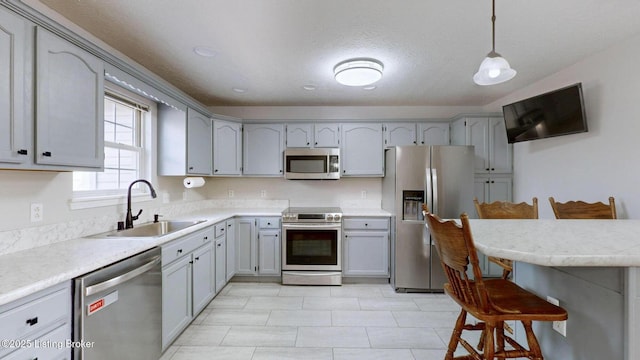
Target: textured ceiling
272 48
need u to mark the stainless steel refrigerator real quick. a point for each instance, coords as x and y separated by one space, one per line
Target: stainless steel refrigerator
441 177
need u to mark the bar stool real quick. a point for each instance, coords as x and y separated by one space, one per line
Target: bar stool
492 301
582 210
506 210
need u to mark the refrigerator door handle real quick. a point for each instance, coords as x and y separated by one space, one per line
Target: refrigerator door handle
427 191
434 189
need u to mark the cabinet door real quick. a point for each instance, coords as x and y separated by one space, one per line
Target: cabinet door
500 151
478 136
263 146
269 252
366 253
436 133
227 148
299 135
198 143
69 104
245 246
176 299
326 135
490 189
202 282
459 132
400 134
362 150
14 129
221 263
231 249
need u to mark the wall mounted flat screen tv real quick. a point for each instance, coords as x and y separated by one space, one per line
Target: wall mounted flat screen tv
558 112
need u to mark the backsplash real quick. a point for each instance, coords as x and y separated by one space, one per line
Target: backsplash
27 238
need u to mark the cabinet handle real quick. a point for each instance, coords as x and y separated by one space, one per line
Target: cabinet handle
316 143
415 142
32 321
366 224
198 258
276 235
191 262
308 143
222 229
493 169
487 169
268 223
422 142
22 152
229 225
179 251
191 168
206 238
219 245
215 171
46 153
344 171
487 181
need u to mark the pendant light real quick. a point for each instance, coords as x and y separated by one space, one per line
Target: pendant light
494 69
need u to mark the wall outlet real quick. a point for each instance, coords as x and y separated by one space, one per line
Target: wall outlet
231 194
36 212
263 193
363 194
558 326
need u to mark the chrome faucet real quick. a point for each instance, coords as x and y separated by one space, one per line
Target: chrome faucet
129 219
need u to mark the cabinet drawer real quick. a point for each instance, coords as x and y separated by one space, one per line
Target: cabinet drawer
183 246
220 229
33 316
51 345
366 224
269 223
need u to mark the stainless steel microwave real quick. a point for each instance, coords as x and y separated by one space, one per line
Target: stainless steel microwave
312 164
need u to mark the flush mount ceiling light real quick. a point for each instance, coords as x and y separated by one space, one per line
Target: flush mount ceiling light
358 72
494 69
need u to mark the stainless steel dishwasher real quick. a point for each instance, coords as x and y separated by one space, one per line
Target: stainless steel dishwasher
118 310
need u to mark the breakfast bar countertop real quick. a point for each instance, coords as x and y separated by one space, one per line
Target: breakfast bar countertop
592 243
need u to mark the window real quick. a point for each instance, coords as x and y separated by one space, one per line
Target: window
124 148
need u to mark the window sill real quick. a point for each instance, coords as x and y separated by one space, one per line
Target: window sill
88 202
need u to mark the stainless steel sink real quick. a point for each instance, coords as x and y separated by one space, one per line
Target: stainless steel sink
150 229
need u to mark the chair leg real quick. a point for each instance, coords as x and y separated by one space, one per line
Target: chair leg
534 346
500 336
489 344
455 335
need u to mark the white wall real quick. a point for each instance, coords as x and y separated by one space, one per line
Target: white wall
600 163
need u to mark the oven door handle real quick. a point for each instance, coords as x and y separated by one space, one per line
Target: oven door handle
311 226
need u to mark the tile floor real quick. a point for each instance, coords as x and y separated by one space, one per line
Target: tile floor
260 321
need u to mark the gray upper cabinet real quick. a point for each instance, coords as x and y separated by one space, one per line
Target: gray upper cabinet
227 148
263 149
299 135
15 144
399 134
313 135
199 133
494 155
184 142
433 133
326 135
362 149
69 104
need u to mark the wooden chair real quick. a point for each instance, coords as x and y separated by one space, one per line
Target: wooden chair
506 210
492 301
583 210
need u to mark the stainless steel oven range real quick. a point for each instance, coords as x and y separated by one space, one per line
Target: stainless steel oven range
312 246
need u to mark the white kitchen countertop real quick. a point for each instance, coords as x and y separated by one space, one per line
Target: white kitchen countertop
28 271
614 243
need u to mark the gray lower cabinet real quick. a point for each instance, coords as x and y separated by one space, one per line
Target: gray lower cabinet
36 319
231 248
187 281
221 263
69 104
366 247
258 249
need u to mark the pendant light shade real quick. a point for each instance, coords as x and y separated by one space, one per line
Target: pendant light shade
494 69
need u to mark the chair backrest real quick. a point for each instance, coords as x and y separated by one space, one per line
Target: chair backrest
457 251
583 210
507 210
